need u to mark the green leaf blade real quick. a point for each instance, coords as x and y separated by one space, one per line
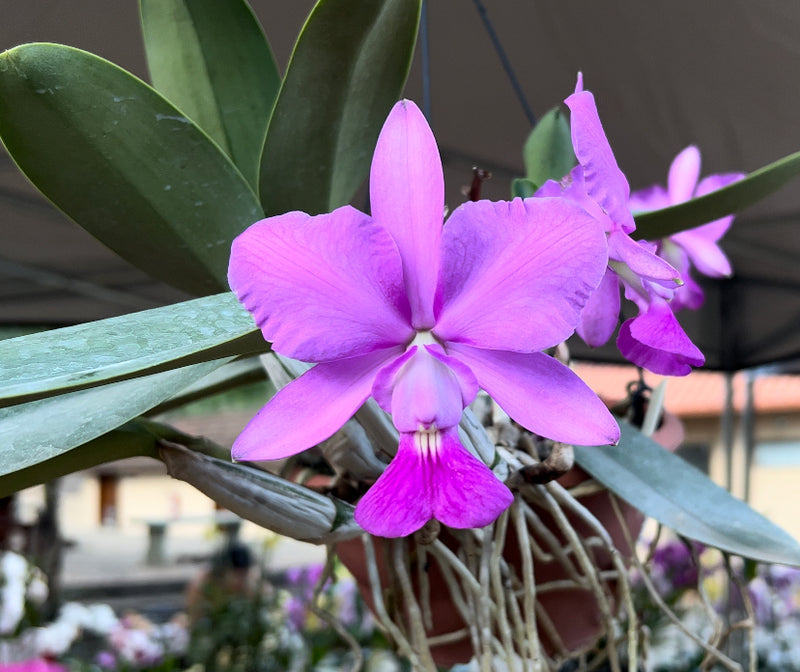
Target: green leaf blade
347 70
130 440
663 486
522 187
212 60
64 360
548 152
731 199
123 163
46 429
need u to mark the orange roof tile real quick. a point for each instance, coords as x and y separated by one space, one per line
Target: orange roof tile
701 393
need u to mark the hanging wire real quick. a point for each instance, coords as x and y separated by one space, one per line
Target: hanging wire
501 53
426 62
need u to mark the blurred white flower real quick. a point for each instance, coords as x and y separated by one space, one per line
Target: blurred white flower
37 590
101 619
97 618
173 636
382 660
13 571
74 613
52 640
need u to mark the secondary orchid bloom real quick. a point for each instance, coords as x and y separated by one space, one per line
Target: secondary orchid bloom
698 246
419 316
653 339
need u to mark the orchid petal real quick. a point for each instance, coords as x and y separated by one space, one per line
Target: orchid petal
407 197
700 242
383 386
702 249
656 341
605 182
601 313
654 197
432 476
541 394
324 287
425 392
640 259
690 295
467 382
550 189
466 493
714 182
310 409
573 188
516 275
683 175
400 502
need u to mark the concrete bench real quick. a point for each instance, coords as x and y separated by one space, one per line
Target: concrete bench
226 522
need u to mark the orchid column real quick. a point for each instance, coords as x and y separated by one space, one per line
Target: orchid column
420 316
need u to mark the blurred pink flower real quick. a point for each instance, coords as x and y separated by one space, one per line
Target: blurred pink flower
696 247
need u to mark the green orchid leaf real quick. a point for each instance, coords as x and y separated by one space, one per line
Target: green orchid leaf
731 199
548 151
665 487
43 430
211 60
130 440
238 373
522 188
347 70
137 438
53 362
263 498
124 163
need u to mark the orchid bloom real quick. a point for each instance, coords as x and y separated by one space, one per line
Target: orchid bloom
653 339
698 246
419 316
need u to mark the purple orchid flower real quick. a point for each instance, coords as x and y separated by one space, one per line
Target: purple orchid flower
419 316
698 246
653 339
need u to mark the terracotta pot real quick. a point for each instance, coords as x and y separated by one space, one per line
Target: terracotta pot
573 612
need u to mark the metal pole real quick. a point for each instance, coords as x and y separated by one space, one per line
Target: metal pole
748 429
727 431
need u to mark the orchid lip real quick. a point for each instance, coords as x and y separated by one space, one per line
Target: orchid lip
428 441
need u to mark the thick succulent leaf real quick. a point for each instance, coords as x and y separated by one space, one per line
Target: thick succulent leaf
238 373
49 363
130 440
211 60
124 163
137 438
665 487
347 70
267 500
548 151
728 200
42 430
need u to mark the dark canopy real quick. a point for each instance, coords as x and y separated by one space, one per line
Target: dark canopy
721 74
